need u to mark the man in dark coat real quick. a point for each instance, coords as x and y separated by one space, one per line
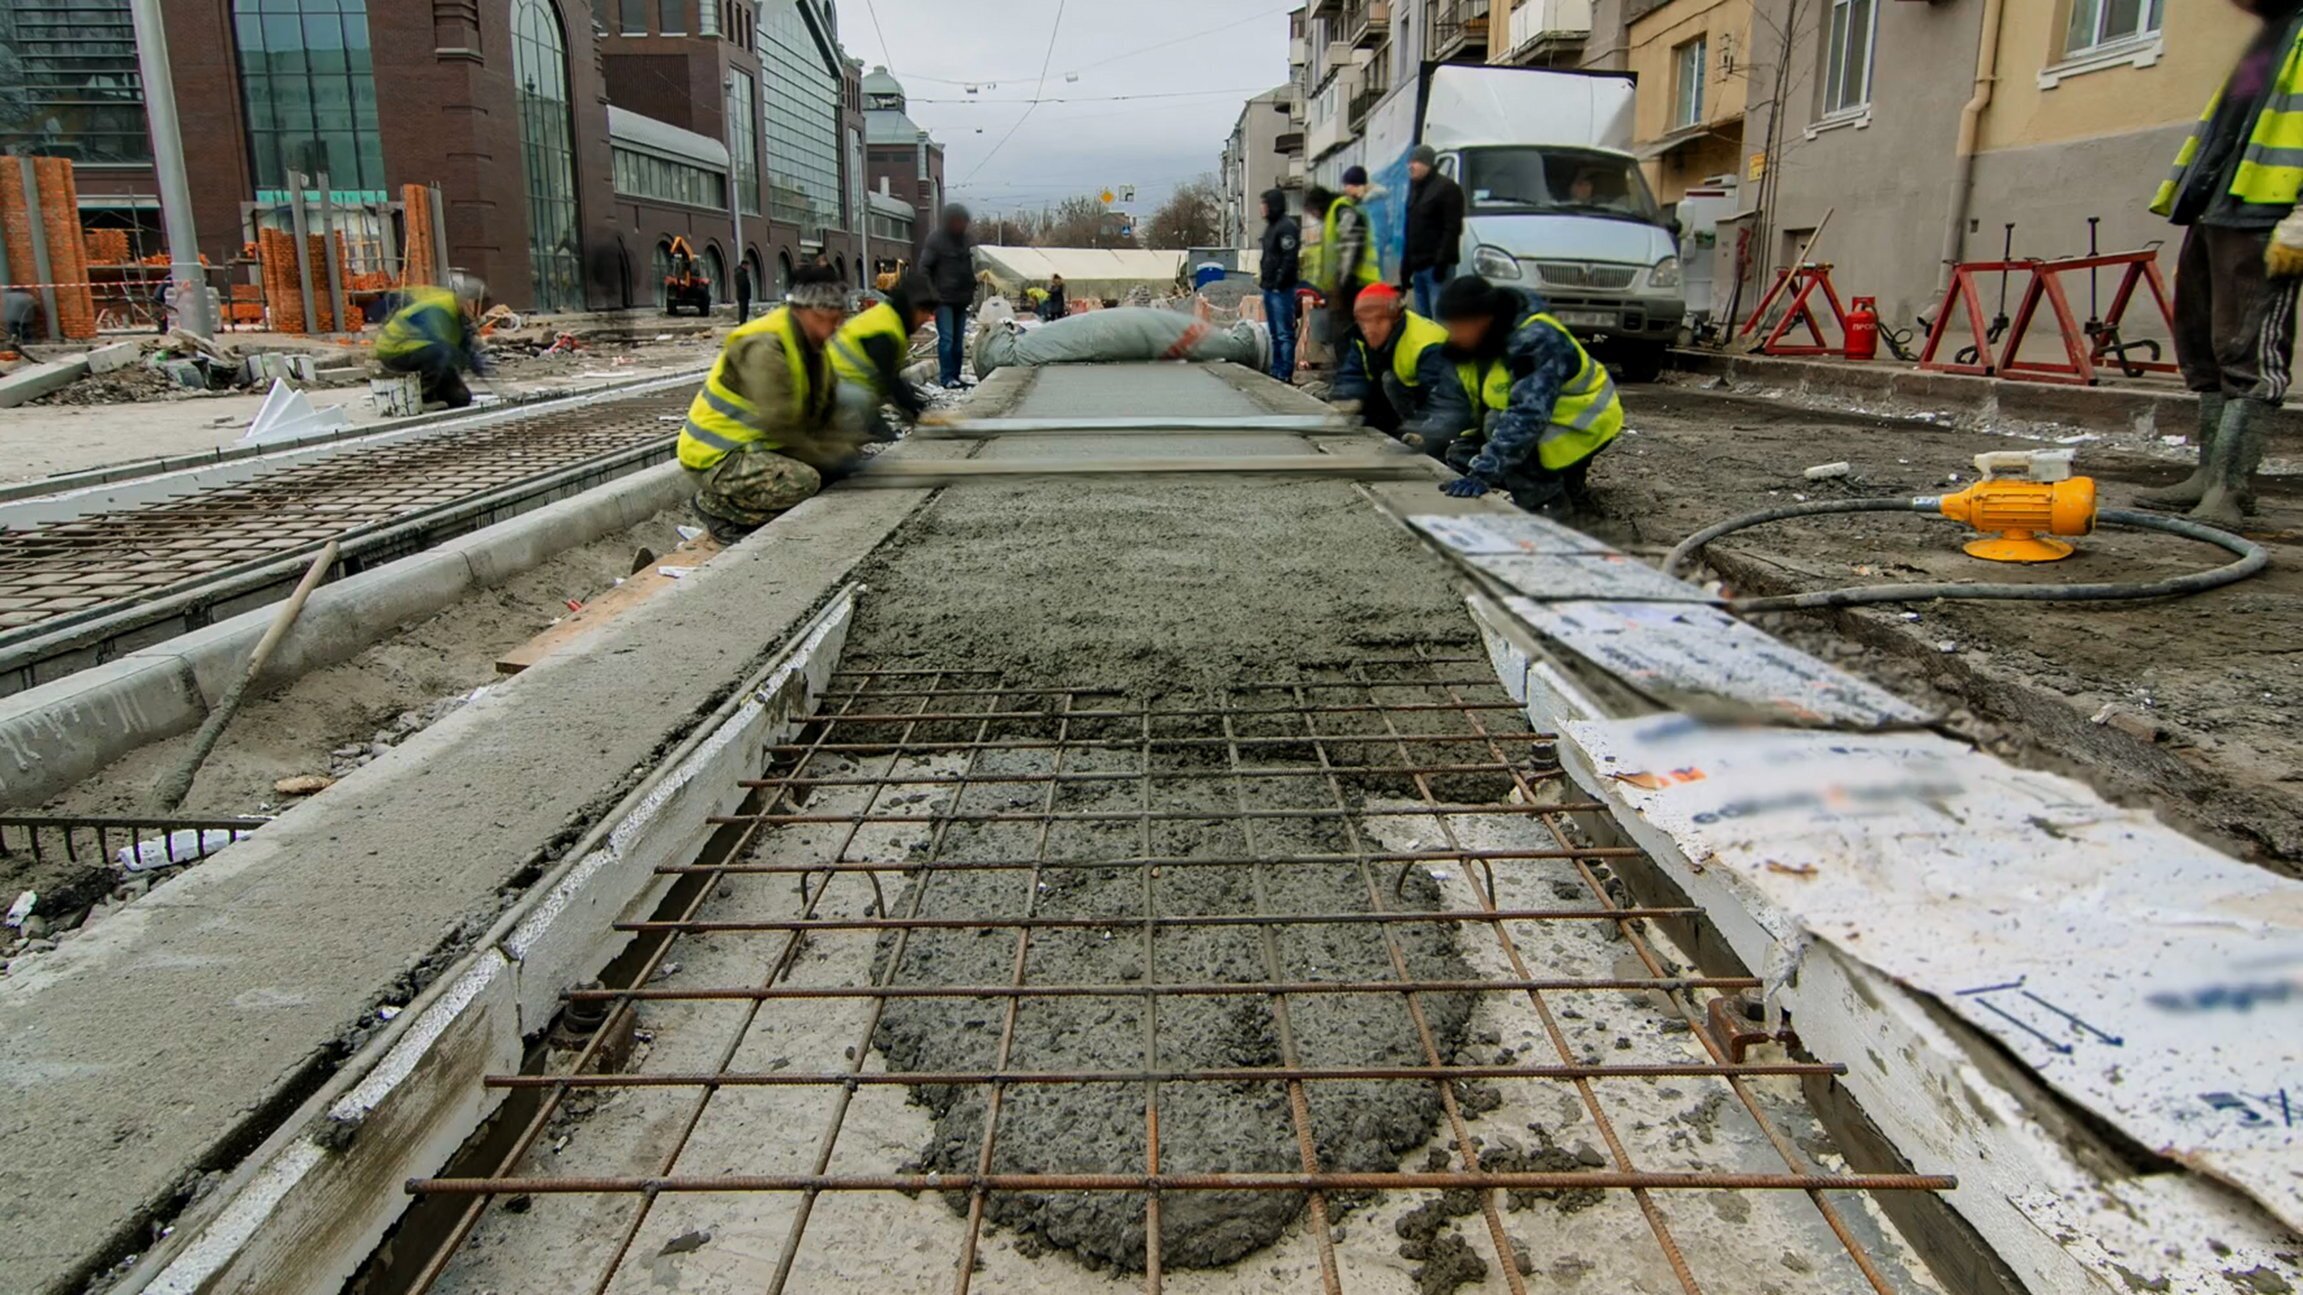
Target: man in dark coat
949 261
1434 229
1281 271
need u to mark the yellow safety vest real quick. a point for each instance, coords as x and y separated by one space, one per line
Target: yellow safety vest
849 359
1587 415
1418 335
1362 274
431 317
719 420
2270 172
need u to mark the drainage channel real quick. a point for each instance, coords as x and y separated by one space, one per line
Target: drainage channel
1001 986
76 593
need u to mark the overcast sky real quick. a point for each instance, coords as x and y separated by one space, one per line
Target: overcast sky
1114 47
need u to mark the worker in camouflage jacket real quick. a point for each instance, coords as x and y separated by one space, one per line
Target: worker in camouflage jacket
1547 407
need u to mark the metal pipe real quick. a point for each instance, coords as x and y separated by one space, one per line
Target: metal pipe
194 314
735 190
439 234
37 231
1970 129
336 303
302 231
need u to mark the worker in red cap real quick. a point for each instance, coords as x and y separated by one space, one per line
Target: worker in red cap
1396 374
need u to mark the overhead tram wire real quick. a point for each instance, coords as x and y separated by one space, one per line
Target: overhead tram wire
1054 29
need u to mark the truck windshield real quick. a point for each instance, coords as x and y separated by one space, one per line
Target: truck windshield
1561 180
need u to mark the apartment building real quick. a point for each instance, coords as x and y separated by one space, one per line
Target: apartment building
2090 101
557 202
1257 158
1689 56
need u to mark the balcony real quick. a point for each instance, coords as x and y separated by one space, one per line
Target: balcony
1367 23
1298 52
1459 34
1289 143
1323 8
1366 92
1544 33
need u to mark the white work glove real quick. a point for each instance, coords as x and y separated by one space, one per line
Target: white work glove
2283 259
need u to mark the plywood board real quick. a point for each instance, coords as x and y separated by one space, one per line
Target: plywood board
1607 577
648 582
1499 533
1687 656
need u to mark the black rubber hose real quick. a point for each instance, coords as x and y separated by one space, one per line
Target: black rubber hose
2250 559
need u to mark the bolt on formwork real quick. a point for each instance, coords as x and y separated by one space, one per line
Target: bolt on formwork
1097 807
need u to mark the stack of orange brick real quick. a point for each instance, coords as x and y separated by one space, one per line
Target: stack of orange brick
420 265
106 246
283 289
59 218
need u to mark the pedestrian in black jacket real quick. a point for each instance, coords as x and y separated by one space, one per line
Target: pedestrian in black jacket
1434 229
949 260
1281 271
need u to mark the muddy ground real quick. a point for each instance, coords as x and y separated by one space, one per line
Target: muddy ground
2188 707
333 720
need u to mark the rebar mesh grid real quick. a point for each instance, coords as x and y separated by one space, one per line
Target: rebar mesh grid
920 753
74 568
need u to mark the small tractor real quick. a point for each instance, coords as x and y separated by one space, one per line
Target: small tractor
685 285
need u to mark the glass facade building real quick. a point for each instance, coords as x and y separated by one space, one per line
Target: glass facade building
547 151
309 85
803 117
744 142
68 81
644 175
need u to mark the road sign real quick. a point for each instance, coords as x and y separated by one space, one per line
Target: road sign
1107 197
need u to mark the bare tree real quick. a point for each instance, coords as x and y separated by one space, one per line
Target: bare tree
1084 221
1191 217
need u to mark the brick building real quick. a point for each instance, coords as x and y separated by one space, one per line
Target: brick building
905 162
557 202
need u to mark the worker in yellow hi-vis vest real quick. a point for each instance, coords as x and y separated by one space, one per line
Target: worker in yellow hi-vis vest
763 434
2235 186
1548 407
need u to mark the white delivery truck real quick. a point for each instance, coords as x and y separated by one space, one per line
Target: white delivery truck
1553 198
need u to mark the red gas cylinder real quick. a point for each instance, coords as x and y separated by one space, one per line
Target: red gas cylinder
1863 329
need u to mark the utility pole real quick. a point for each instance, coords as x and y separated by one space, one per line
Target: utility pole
735 188
191 291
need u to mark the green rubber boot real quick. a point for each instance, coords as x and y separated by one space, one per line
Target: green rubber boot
2188 492
2238 452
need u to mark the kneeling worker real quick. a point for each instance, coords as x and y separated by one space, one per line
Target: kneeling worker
1399 371
1548 407
431 335
762 434
869 353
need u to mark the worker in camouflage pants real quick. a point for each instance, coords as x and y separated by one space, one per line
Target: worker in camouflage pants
763 434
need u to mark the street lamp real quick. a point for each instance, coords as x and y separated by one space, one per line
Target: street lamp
192 307
735 188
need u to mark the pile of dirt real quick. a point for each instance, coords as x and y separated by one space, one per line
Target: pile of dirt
119 387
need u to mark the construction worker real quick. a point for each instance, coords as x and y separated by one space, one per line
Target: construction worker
2235 188
435 333
869 354
1399 377
1347 259
1546 406
762 435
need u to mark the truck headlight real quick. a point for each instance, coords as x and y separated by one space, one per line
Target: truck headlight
1494 263
1665 274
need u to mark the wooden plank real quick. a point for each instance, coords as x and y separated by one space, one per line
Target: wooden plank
616 601
916 475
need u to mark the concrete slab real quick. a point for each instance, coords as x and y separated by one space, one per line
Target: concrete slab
37 380
58 733
194 1020
117 356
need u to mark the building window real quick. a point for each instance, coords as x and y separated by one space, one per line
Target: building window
540 74
803 114
2096 23
663 179
68 81
1687 105
672 18
310 88
633 19
744 141
1847 55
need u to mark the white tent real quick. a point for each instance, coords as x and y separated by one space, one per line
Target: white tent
1087 271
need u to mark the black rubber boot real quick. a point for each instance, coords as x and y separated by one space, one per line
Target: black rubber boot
2188 492
2238 452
